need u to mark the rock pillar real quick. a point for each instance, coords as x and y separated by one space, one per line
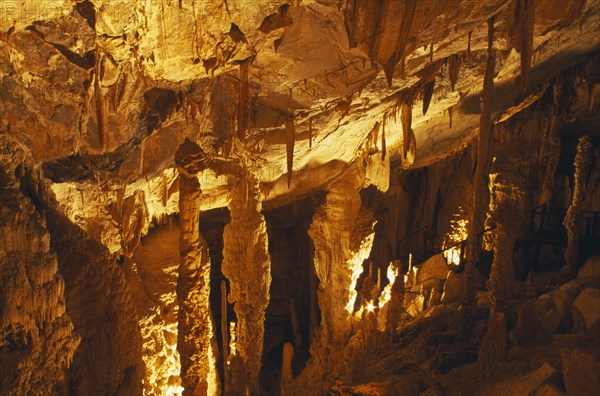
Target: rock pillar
342 235
247 265
195 340
573 216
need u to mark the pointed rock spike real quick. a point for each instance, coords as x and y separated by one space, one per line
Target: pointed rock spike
290 138
428 94
469 45
310 132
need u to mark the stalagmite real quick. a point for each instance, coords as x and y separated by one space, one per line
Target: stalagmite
395 305
295 325
505 214
494 345
342 234
287 384
247 265
573 216
237 381
480 184
195 341
224 329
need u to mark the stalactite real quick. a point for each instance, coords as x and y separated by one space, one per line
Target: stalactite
408 136
141 163
164 194
431 52
310 133
243 106
573 216
342 235
428 94
480 186
408 13
453 69
122 89
101 117
290 139
383 144
114 93
450 113
469 45
247 265
522 35
195 341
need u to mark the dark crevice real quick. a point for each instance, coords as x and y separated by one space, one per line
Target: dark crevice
86 10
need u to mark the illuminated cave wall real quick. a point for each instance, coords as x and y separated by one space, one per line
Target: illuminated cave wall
358 124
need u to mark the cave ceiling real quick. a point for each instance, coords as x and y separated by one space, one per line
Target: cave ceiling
102 93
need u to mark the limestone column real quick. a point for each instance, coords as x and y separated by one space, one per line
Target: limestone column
342 235
506 215
195 341
573 216
247 265
480 187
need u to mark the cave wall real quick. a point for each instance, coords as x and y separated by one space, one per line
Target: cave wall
38 338
151 276
109 359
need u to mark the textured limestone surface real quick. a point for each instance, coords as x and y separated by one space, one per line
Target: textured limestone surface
247 266
117 116
101 93
37 336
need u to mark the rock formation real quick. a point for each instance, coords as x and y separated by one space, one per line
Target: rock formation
195 324
263 163
37 337
572 219
342 236
247 266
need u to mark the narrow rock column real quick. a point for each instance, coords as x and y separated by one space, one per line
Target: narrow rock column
247 265
342 234
480 185
505 214
195 340
572 218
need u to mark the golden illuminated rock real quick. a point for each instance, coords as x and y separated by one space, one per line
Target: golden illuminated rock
315 139
247 266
